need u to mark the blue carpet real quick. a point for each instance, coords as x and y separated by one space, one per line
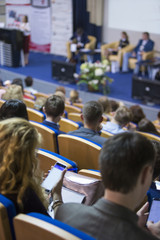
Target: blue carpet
40 67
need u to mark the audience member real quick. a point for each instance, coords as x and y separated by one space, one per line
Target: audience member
74 97
114 105
124 41
19 82
7 83
147 126
120 120
126 165
60 94
13 108
144 45
54 109
29 83
19 174
137 113
13 92
104 101
61 89
39 103
92 117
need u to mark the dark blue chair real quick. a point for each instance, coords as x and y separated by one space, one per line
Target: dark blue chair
11 213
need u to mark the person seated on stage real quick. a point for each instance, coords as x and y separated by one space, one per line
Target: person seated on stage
13 108
74 97
126 165
25 27
144 45
13 92
92 116
147 126
79 38
137 113
104 101
54 109
120 120
20 176
124 41
29 83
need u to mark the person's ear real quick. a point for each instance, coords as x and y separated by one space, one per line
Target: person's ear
146 171
44 110
82 117
101 119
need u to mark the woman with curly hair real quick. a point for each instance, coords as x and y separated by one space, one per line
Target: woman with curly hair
20 178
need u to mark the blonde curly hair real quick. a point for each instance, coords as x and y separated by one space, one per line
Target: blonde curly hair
18 163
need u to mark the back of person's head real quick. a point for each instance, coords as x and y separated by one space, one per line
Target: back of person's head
60 94
18 162
13 92
54 106
104 101
122 158
61 89
28 81
74 96
123 116
13 108
19 82
92 112
39 103
114 105
147 126
137 113
156 172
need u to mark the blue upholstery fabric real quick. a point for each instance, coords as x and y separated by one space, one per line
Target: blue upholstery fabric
64 226
73 164
10 210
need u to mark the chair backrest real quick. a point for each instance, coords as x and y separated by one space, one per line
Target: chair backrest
38 94
49 139
35 115
36 226
48 159
82 151
106 134
75 117
7 213
67 125
29 103
79 105
90 173
150 136
72 109
1 102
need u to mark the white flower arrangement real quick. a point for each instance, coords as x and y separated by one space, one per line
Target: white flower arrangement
94 74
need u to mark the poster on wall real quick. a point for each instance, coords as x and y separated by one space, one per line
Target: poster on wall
15 10
40 25
62 25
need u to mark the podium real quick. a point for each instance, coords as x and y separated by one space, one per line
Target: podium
11 44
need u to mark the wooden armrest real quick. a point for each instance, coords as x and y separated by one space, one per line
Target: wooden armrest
148 55
109 45
128 48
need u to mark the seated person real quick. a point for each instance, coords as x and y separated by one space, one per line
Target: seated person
120 120
144 45
61 89
29 83
54 109
92 117
126 165
147 126
74 97
13 92
104 101
39 103
79 38
137 113
20 177
13 108
124 41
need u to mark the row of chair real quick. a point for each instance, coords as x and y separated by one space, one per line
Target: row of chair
33 226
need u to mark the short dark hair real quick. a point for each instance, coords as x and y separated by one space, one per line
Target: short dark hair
54 106
114 105
105 104
137 113
122 158
13 108
92 112
147 126
123 116
28 81
146 33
